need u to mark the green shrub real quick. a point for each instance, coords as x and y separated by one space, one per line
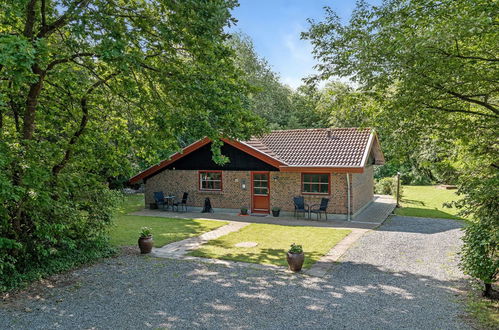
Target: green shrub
387 186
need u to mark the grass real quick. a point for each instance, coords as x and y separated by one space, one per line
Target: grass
273 242
427 201
483 311
126 228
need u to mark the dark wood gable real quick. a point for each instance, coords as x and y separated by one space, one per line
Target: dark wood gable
201 159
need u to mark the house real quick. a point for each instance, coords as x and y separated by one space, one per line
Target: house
268 171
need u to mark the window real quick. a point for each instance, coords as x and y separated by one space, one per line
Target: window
261 184
210 180
315 183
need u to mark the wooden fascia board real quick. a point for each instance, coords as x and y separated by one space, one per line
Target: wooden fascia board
300 169
176 156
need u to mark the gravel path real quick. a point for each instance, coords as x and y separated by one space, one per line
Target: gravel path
401 276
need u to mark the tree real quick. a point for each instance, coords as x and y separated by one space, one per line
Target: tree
345 106
88 88
270 99
435 65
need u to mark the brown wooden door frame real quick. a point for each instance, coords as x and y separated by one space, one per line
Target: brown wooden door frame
261 197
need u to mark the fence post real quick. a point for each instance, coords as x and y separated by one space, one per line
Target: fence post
398 189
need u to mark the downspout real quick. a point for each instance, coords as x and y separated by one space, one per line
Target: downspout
348 196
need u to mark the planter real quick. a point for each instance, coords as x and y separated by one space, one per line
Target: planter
276 213
295 261
145 244
244 211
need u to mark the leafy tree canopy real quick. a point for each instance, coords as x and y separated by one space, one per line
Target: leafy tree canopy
89 88
434 66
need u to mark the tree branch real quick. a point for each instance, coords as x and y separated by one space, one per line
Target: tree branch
46 30
478 102
52 64
42 11
83 123
30 19
459 111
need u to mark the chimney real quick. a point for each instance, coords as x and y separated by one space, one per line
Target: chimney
329 133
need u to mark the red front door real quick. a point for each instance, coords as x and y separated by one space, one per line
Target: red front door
260 192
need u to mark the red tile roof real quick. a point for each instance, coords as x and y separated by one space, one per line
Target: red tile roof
340 147
343 148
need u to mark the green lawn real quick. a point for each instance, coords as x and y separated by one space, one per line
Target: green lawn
426 201
485 311
273 242
165 230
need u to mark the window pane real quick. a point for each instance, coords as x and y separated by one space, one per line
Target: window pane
315 183
210 180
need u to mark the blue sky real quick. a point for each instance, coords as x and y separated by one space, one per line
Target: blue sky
275 27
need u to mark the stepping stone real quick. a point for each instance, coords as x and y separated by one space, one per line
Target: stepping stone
246 244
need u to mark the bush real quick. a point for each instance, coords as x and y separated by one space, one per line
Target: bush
387 186
480 252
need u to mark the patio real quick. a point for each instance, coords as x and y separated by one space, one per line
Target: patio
369 218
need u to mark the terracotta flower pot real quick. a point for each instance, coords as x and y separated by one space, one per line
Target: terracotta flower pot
145 244
295 261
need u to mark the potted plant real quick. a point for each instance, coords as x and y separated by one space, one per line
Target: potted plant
145 240
275 211
244 211
295 257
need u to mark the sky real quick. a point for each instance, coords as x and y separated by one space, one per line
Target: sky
275 27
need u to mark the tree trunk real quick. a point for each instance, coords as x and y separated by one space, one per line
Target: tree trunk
487 290
31 103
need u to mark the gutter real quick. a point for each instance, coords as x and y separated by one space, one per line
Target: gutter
348 197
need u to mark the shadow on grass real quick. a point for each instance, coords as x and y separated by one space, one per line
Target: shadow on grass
413 201
425 213
165 230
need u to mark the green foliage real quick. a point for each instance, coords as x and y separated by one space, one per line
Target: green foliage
434 65
90 92
480 200
295 249
480 253
387 186
145 232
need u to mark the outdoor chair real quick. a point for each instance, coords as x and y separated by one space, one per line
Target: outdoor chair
318 209
182 203
159 198
300 206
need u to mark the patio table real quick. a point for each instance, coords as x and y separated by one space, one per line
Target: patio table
169 202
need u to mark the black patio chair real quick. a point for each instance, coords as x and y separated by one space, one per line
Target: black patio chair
159 198
182 203
300 206
318 209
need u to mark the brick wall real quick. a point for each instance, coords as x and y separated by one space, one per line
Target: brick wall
283 187
177 182
288 185
362 188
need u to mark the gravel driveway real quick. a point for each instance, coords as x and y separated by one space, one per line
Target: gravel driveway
403 275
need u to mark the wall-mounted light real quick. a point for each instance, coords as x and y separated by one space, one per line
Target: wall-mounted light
243 184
